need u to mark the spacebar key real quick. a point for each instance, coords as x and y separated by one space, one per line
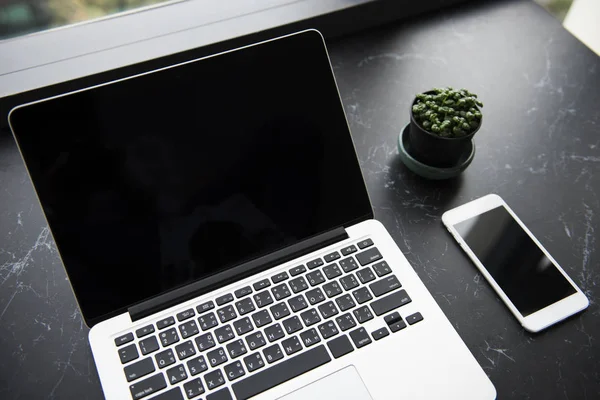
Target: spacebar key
280 373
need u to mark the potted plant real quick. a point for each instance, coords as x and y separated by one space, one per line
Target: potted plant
442 124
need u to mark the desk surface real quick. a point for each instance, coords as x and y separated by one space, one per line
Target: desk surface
539 148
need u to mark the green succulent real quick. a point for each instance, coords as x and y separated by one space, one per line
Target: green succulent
447 112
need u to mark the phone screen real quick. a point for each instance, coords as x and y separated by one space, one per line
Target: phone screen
521 269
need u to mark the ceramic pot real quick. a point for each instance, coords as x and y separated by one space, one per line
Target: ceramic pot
434 150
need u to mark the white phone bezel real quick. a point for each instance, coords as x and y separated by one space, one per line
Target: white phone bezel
542 318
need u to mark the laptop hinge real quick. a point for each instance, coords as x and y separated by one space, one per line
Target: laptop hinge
205 285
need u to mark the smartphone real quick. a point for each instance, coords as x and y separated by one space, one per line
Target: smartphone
526 277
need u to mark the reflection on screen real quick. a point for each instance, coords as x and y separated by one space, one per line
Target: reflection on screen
516 263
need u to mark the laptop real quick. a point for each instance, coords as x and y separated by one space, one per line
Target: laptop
219 238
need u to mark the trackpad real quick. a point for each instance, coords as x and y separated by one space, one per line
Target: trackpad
345 384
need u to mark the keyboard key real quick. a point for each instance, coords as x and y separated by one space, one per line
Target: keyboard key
332 289
254 362
314 263
284 371
380 333
273 353
363 314
187 314
208 321
245 306
328 329
365 275
382 268
365 243
216 357
368 256
390 302
280 310
193 388
292 324
414 318
348 250
310 337
331 257
348 264
332 271
299 284
282 276
328 309
360 337
345 322
315 278
255 340
385 285
223 394
297 270
224 334
176 374
315 296
205 342
297 303
274 332
310 317
123 339
185 350
362 295
245 291
214 379
393 317
234 370
340 346
226 298
243 326
261 318
148 386
236 348
144 331
188 329
349 282
197 365
139 369
169 337
397 326
209 305
345 302
173 394
226 314
149 345
165 322
265 283
263 299
280 291
165 358
395 322
291 345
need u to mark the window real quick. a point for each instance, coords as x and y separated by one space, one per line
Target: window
19 17
558 8
167 28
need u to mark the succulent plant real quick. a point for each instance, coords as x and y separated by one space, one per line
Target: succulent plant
447 112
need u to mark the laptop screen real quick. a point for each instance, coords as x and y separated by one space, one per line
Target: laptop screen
159 180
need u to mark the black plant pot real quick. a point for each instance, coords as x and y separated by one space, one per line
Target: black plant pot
435 150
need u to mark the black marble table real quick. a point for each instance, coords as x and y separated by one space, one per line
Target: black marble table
539 148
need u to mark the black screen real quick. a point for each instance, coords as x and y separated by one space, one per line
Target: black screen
521 269
160 180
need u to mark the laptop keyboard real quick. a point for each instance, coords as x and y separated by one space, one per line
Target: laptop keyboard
269 332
